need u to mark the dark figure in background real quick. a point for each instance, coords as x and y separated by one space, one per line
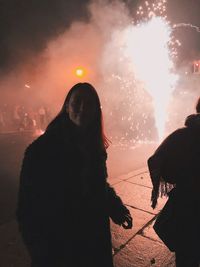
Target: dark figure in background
42 117
198 106
177 162
64 199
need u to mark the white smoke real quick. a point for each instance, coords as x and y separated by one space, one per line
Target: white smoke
98 46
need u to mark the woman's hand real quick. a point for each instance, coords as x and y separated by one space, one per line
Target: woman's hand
128 221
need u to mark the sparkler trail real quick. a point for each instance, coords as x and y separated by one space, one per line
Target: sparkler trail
186 25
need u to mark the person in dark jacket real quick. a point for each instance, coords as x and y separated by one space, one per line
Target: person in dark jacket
176 164
65 200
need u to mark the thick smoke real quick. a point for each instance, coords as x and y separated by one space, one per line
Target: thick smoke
27 26
43 53
50 72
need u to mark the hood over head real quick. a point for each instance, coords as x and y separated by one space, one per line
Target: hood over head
193 121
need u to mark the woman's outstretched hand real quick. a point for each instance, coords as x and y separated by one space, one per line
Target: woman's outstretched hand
128 221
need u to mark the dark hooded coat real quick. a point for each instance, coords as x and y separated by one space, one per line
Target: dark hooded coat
65 202
177 162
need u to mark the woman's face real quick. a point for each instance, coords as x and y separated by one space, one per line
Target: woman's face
82 108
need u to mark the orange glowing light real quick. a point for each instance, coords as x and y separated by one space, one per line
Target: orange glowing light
80 72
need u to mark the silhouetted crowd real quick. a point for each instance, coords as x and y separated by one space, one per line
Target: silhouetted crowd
21 118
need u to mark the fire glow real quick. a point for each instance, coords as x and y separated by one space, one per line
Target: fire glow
80 72
139 59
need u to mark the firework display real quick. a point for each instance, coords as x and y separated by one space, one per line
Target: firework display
146 50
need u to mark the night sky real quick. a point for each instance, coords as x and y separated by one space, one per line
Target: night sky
26 26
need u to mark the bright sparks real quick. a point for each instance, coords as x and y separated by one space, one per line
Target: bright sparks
145 73
147 46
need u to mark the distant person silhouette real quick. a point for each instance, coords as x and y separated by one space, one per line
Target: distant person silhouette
198 106
64 199
42 117
177 162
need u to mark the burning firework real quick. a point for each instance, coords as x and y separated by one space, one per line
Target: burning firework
148 48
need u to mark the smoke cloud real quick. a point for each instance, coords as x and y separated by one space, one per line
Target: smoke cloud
27 26
42 55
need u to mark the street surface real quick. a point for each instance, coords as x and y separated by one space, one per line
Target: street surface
128 174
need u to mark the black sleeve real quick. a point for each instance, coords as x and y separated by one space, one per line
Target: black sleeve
168 156
154 166
163 164
117 210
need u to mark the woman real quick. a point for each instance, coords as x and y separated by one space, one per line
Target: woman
64 199
176 164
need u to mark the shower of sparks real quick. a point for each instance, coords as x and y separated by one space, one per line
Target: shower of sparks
147 45
196 28
145 74
156 8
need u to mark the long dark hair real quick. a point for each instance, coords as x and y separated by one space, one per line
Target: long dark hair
96 127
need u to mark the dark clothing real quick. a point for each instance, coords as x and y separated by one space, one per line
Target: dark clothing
186 259
65 203
177 162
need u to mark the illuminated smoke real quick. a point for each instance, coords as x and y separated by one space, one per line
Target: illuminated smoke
129 62
145 61
152 39
148 48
